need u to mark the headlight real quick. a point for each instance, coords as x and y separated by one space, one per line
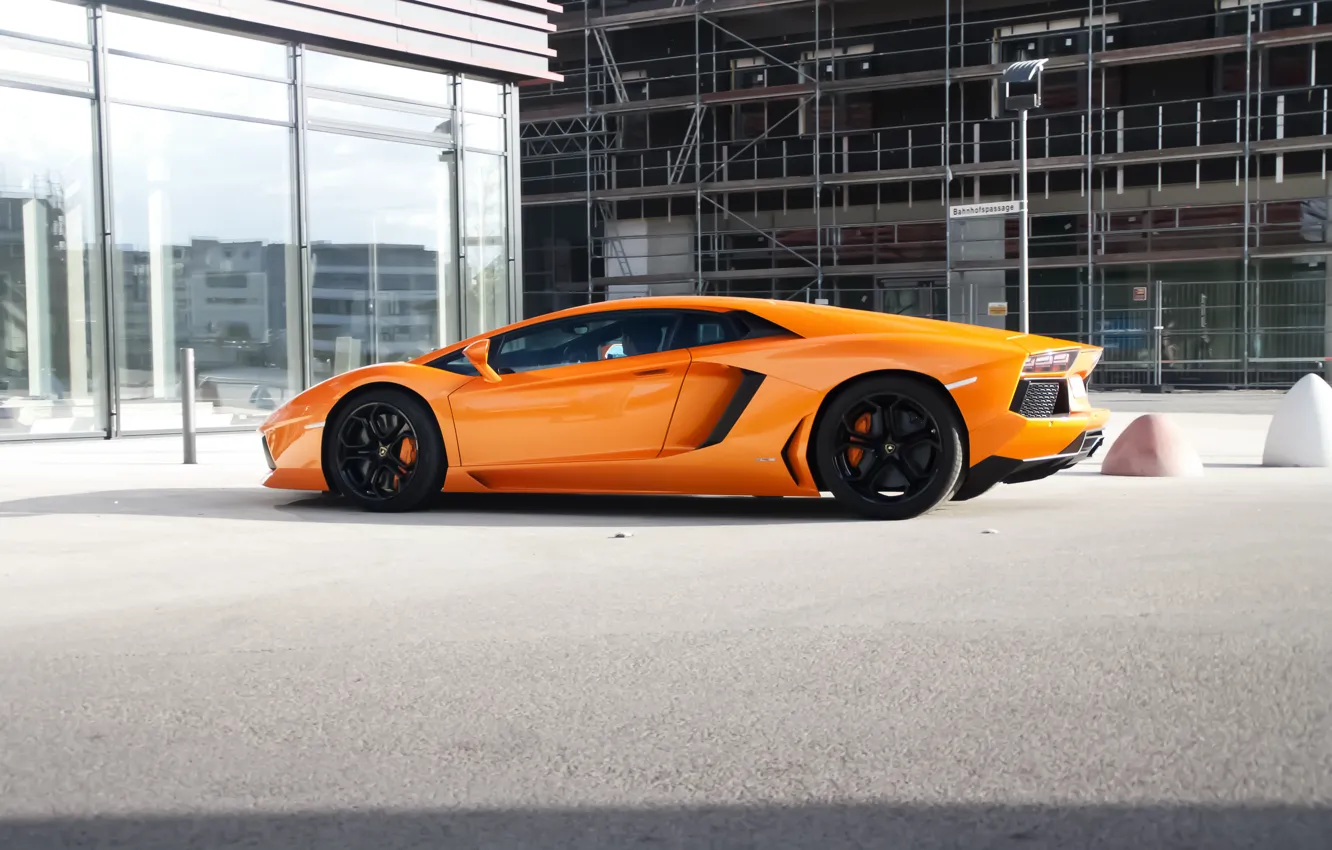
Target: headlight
1050 362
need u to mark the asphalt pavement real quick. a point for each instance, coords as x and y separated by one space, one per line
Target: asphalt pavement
188 660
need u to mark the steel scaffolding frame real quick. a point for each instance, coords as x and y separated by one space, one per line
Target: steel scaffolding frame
591 129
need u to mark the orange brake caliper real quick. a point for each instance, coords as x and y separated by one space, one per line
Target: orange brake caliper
862 426
406 454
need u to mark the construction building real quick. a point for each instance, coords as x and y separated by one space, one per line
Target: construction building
811 149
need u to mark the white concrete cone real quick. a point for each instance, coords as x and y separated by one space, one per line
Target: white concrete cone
1301 429
1152 447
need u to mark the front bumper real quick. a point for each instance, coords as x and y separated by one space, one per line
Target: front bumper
997 469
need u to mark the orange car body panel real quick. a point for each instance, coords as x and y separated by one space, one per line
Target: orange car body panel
605 410
639 424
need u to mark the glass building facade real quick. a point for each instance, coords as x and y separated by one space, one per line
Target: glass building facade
288 210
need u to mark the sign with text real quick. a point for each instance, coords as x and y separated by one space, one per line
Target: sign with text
1139 293
994 208
998 308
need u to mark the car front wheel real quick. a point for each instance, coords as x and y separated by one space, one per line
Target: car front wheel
384 452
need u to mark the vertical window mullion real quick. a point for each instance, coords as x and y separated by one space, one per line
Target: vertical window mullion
305 286
106 286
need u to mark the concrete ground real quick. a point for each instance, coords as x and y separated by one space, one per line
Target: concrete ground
190 661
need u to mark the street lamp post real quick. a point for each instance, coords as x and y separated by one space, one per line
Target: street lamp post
1022 92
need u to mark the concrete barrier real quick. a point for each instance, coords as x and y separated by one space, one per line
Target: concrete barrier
1152 447
1301 429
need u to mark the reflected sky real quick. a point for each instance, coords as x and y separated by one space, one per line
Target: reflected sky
17 57
364 190
45 19
225 179
146 81
45 141
196 46
341 72
231 179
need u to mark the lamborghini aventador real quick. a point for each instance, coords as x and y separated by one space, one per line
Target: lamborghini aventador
697 395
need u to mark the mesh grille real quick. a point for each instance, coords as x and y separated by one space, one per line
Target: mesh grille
1040 399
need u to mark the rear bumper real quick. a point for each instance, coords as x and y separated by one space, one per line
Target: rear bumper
998 469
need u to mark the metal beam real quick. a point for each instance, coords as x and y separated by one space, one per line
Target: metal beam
970 169
648 17
908 270
915 79
760 231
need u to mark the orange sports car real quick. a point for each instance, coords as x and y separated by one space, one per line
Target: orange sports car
704 396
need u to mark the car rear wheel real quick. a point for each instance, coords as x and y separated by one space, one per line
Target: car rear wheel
890 447
384 452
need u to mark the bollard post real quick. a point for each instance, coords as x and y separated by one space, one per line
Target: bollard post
187 402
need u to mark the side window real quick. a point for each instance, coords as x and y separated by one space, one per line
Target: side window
698 329
583 339
610 336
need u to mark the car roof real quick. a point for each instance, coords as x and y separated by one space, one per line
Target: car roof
799 317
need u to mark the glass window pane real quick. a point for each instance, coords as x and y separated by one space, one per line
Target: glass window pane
354 113
486 245
584 339
361 75
48 266
27 59
45 19
195 46
210 91
483 131
702 329
384 251
205 258
480 96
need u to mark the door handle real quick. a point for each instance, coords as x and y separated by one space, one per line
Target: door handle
643 373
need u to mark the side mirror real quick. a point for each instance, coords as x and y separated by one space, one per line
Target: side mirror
478 354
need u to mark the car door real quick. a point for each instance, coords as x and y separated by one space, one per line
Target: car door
574 389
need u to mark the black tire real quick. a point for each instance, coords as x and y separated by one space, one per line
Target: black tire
890 447
366 456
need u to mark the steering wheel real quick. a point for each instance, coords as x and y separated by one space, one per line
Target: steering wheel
571 352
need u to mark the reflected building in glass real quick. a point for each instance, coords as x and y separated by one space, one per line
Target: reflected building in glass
291 192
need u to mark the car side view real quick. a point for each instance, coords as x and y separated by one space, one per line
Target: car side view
698 395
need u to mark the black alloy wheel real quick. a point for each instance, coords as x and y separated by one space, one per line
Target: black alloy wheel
890 447
384 452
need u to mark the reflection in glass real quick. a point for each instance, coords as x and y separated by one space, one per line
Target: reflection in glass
195 46
321 110
210 91
45 19
485 243
383 251
483 131
204 258
48 265
328 70
27 59
481 96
